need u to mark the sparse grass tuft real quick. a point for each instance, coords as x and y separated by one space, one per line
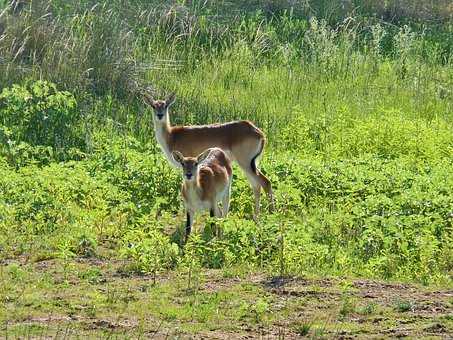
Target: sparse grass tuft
403 306
368 309
303 329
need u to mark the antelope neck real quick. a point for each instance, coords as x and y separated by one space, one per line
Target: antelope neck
162 131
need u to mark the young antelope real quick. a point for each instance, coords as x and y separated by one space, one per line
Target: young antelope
206 182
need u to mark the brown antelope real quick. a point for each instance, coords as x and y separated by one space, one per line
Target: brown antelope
242 141
206 182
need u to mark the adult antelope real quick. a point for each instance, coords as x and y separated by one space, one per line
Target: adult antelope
242 141
206 182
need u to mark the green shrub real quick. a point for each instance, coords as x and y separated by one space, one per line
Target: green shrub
151 251
145 175
39 118
41 208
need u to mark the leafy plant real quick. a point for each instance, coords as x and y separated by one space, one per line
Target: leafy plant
151 251
37 114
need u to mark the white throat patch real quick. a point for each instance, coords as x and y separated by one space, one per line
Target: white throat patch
161 134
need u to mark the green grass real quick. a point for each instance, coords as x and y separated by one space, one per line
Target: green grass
357 111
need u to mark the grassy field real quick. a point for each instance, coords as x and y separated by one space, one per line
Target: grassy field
356 101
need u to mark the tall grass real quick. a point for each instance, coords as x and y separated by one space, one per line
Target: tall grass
91 51
100 48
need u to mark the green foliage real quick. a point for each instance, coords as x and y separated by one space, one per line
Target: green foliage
355 99
57 209
403 306
191 260
92 275
364 216
303 329
37 122
85 245
357 115
15 272
255 311
368 309
151 251
141 173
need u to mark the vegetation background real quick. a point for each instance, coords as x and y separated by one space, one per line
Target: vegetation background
356 100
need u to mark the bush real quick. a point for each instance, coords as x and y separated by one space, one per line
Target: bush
38 114
151 251
58 204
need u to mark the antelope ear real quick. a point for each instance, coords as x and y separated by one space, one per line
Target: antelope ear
202 156
170 99
148 100
177 156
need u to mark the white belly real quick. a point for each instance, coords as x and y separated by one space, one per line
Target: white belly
194 203
198 205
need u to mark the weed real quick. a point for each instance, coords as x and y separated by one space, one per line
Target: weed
15 272
86 245
319 332
152 251
255 311
368 309
403 306
347 306
93 275
303 329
